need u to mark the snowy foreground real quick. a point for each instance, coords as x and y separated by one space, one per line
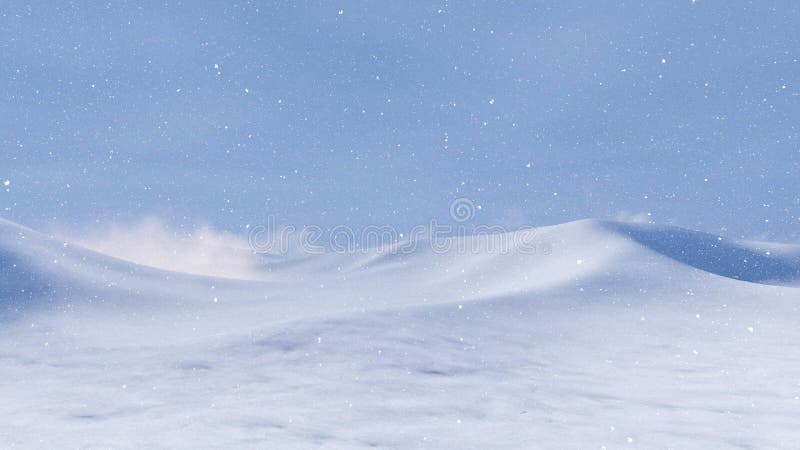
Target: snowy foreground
622 336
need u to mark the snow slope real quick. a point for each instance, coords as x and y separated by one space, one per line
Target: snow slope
612 335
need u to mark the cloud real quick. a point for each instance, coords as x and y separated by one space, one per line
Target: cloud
200 251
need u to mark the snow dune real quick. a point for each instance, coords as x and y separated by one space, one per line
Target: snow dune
610 335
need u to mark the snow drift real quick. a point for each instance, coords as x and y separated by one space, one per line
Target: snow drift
620 335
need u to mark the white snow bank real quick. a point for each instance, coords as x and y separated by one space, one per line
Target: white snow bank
623 335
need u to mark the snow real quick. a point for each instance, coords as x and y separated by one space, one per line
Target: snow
420 349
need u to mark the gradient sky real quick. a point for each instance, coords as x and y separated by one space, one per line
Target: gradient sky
365 112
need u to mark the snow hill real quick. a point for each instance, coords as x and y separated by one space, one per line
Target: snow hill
610 335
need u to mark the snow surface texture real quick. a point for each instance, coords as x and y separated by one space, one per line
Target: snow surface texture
622 336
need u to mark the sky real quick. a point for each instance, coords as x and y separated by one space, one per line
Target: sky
365 113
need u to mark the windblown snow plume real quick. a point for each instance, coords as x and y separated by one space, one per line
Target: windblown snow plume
201 250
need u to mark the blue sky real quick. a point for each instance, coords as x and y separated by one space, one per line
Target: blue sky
364 112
